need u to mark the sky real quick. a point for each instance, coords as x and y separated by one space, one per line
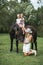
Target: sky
34 2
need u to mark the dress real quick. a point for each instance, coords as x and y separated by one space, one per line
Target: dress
18 21
26 46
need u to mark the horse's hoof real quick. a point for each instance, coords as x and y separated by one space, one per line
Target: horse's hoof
17 51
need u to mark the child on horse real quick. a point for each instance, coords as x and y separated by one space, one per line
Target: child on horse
20 22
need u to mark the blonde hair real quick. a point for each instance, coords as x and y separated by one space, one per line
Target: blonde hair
18 15
21 15
27 34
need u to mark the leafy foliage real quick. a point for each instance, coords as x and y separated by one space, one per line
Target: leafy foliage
9 10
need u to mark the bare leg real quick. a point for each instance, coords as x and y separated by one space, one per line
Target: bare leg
25 54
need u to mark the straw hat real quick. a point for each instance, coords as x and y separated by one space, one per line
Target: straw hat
28 30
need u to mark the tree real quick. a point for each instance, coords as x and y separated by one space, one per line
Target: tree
25 0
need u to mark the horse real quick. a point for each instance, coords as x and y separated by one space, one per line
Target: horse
17 33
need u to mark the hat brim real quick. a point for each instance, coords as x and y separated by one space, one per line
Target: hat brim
28 31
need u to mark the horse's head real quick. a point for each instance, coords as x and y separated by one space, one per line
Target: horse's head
16 32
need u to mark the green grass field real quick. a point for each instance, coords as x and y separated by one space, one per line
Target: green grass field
12 58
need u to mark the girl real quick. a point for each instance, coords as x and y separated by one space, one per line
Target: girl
27 43
20 21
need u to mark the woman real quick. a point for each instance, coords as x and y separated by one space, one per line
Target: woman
27 43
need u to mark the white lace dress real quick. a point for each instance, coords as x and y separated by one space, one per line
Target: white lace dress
26 46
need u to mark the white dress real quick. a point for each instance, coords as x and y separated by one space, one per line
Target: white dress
26 46
18 21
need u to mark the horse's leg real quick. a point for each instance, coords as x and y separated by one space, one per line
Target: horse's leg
11 44
36 46
31 45
16 45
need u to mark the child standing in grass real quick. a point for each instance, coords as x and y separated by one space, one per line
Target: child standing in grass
27 43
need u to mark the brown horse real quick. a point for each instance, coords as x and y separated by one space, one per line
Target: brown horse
17 33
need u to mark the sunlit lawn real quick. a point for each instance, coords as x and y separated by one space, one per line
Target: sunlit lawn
12 58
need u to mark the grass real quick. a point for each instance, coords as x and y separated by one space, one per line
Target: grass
12 58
